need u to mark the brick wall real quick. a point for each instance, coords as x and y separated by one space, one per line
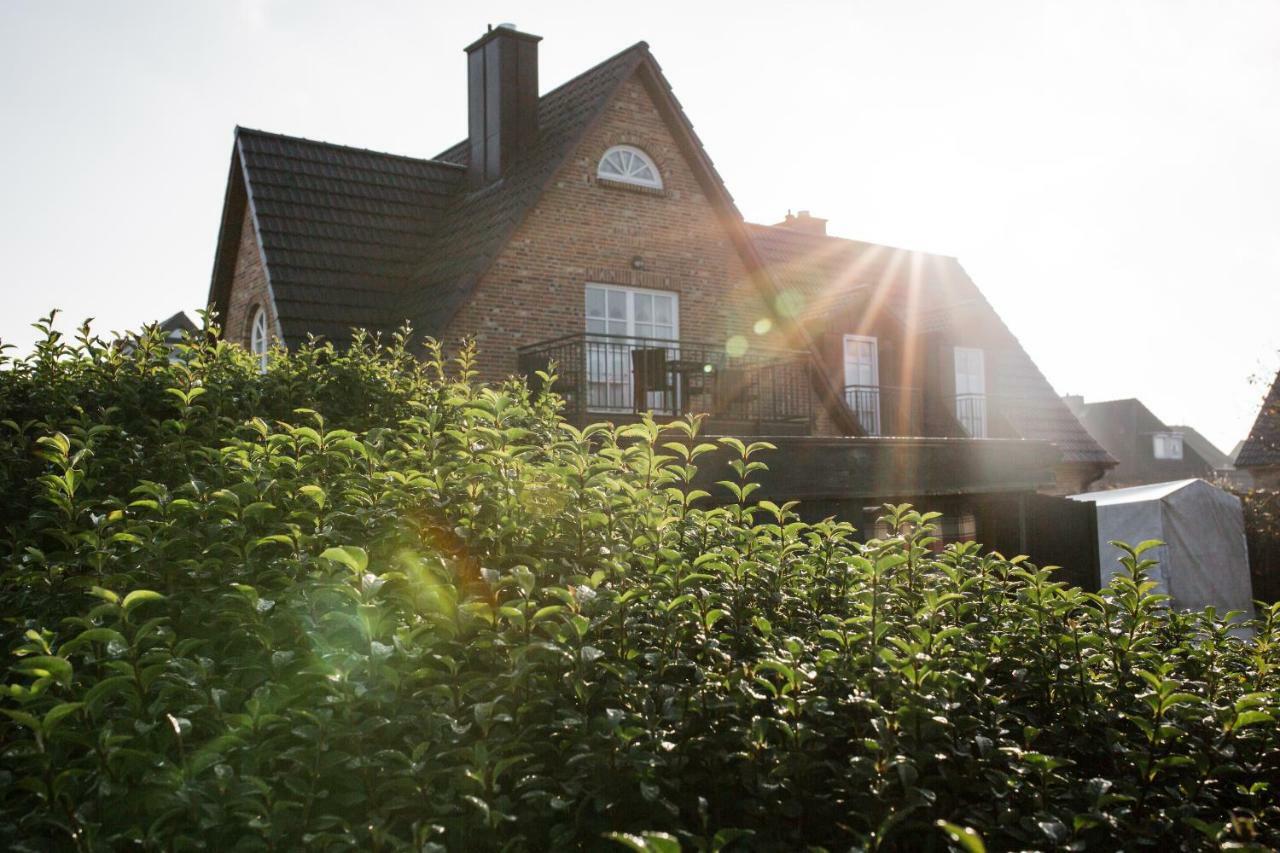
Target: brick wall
585 231
248 288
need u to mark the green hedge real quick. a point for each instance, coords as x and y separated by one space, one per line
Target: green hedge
359 601
1262 535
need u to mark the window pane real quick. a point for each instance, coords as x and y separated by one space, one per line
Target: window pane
595 302
663 306
645 330
617 305
644 308
596 326
628 165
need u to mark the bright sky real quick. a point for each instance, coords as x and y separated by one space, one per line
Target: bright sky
1108 172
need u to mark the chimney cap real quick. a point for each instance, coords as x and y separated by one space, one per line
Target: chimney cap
501 31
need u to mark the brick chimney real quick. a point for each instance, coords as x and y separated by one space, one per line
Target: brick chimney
804 221
502 100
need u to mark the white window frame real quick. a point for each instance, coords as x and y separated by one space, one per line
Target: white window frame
625 392
259 336
631 309
645 159
1167 446
867 409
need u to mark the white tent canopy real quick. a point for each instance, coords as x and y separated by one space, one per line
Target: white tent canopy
1204 561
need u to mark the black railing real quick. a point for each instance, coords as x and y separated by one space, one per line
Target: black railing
886 410
611 374
973 415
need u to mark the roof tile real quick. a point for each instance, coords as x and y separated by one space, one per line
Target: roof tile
1262 447
361 238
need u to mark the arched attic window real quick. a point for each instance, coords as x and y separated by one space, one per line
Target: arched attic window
259 339
627 164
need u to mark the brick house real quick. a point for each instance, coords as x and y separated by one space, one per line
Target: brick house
587 226
1147 450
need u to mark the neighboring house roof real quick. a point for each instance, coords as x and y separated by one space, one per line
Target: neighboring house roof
1235 451
1126 426
1207 449
177 324
1262 447
172 328
926 292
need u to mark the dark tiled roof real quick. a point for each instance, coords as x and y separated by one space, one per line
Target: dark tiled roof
1262 447
177 324
357 238
1208 451
925 292
342 229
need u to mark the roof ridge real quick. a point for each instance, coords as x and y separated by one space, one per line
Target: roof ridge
782 229
353 148
640 45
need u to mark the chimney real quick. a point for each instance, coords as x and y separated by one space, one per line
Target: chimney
1075 402
502 100
805 222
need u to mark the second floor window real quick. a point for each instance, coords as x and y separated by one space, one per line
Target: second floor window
632 324
629 165
632 311
1167 445
862 380
971 391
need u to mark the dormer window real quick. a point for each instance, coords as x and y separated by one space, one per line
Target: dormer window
627 164
1167 445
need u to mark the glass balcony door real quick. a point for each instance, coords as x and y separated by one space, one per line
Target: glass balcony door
862 380
620 322
971 391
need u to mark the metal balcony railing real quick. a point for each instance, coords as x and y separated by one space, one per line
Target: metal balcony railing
612 374
886 409
972 415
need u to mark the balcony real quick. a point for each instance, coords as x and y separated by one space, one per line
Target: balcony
611 377
886 410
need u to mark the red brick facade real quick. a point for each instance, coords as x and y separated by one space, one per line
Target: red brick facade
583 230
248 288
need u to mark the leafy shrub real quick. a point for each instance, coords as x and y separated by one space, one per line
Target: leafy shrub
358 601
1262 534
